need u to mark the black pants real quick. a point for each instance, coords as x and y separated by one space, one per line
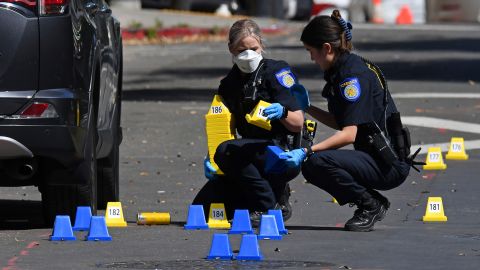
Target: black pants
347 174
245 185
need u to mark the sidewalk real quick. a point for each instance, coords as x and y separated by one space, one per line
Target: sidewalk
156 27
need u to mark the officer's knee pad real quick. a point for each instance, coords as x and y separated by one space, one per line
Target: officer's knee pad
223 157
220 153
313 169
307 170
283 178
291 173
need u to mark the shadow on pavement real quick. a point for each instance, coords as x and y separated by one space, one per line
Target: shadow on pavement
179 94
313 228
450 44
446 67
21 215
178 223
172 94
180 73
455 44
193 72
460 70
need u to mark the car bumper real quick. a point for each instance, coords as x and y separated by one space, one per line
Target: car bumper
61 143
60 138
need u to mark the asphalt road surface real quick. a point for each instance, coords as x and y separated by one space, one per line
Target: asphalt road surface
433 74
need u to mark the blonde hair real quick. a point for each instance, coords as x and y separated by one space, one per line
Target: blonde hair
242 29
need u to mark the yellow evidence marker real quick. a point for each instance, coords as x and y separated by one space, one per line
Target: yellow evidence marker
256 117
114 215
434 159
219 126
334 200
434 211
217 217
457 149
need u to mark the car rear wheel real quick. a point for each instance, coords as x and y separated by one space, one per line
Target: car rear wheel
182 4
304 9
64 199
108 168
108 176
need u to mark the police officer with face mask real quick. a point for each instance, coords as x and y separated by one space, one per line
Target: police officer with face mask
245 184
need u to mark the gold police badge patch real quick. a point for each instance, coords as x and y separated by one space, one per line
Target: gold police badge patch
285 77
350 89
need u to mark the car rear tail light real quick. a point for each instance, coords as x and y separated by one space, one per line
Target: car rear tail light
52 7
317 8
39 110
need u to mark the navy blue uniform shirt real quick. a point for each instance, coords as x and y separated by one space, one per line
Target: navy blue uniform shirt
355 94
272 79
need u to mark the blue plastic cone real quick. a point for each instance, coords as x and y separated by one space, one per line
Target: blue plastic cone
249 248
220 249
273 162
62 229
196 218
279 219
98 230
268 228
241 222
82 219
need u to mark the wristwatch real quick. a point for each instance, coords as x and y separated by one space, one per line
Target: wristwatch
284 113
309 151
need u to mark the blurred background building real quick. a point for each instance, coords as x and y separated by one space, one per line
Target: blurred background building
374 11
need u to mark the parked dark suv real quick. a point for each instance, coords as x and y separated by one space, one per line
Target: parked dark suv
60 101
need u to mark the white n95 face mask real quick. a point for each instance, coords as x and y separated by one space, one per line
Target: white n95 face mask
248 61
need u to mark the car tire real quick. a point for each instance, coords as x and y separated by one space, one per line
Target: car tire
304 10
64 199
108 168
108 179
182 4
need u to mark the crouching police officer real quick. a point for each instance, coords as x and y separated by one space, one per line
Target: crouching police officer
245 184
361 108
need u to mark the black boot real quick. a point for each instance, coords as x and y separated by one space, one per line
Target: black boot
379 197
255 217
370 210
282 196
283 202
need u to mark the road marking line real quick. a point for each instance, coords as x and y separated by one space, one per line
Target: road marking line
34 243
469 145
12 262
195 108
431 122
436 95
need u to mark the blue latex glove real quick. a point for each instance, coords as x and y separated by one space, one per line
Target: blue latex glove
294 158
274 111
209 169
301 94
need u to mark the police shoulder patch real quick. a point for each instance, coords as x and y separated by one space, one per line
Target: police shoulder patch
350 89
285 77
